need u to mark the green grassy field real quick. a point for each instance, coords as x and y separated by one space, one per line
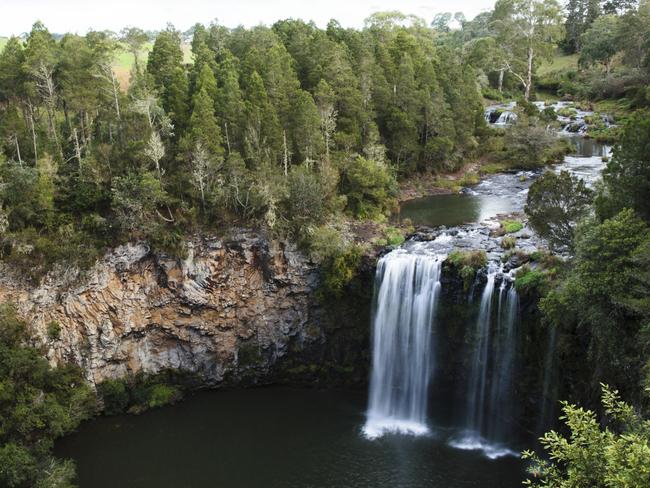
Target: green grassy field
124 61
560 62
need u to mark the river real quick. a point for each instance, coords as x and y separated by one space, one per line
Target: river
501 193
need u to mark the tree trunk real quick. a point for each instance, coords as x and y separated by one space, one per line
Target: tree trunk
529 74
77 148
501 75
31 119
227 139
20 160
285 159
115 93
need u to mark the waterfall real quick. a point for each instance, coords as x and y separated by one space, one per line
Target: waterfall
502 395
547 410
506 117
490 396
407 290
479 366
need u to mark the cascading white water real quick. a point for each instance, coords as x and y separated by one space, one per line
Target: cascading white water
479 367
506 117
501 392
407 290
490 393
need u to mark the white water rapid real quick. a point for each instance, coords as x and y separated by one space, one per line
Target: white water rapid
407 291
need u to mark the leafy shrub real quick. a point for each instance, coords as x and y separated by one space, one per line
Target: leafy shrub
555 204
160 395
38 404
340 269
529 145
617 455
308 198
141 392
370 187
548 114
469 179
53 331
115 395
394 236
528 280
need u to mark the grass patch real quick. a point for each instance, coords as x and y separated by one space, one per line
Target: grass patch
455 185
476 259
447 184
508 242
512 226
567 112
467 263
469 179
492 168
559 63
124 61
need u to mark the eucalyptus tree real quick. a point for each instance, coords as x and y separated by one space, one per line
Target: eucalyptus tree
533 28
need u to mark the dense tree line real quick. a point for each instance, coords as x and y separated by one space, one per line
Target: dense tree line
282 126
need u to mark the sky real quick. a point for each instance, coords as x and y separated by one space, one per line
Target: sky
17 16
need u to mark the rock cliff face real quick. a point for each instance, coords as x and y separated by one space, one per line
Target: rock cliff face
234 309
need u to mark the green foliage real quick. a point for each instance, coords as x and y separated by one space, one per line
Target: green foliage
254 128
600 300
38 403
528 280
310 198
370 188
512 226
614 456
340 259
161 395
467 263
53 331
528 144
394 236
165 57
114 395
555 204
627 175
603 35
141 392
601 41
339 270
475 259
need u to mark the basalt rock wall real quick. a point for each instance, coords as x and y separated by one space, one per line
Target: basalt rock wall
242 309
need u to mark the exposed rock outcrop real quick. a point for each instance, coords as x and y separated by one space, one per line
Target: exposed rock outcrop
233 309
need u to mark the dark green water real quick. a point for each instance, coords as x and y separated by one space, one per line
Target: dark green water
452 210
268 438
